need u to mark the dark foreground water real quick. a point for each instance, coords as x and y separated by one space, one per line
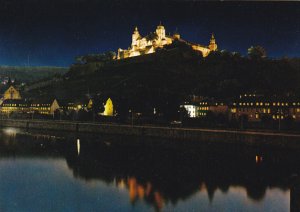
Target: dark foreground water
68 172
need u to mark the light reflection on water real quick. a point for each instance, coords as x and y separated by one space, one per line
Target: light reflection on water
117 177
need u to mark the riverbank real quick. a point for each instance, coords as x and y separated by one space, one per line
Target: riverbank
282 140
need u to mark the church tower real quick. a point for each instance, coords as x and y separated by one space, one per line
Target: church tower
135 37
160 31
212 44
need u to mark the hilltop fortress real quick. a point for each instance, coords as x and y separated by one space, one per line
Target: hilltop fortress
148 44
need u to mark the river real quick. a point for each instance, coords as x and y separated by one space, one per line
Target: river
56 171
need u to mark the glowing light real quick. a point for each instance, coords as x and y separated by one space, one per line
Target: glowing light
78 146
258 159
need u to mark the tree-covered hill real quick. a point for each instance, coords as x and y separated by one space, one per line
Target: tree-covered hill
29 74
166 78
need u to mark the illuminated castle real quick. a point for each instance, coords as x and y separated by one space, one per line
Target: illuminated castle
148 44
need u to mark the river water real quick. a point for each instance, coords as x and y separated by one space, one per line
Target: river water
47 171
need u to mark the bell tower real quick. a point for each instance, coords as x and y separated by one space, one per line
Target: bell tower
160 31
135 36
212 44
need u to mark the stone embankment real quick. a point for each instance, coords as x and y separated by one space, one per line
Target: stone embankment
283 140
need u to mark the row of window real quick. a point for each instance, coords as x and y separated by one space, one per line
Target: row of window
40 105
266 104
41 108
4 109
263 110
24 105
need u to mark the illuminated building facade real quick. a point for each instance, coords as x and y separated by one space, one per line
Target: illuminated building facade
85 104
192 110
13 102
212 106
14 105
202 107
12 93
257 108
148 44
252 107
47 107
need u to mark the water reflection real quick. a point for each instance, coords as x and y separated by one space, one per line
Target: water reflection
11 131
78 146
258 159
165 177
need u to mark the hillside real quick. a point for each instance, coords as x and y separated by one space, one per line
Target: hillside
31 73
165 79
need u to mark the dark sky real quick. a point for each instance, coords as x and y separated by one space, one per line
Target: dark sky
53 32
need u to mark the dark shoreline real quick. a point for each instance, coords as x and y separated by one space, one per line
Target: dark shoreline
252 138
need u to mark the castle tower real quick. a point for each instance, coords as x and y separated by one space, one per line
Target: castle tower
212 44
135 36
176 35
160 31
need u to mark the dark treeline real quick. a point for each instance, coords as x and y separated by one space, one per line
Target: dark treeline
29 74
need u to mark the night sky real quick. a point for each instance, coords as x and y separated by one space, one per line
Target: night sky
54 32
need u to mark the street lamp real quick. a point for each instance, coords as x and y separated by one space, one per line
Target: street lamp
131 111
